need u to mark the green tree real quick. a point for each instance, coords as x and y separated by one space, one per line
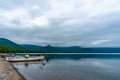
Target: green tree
4 49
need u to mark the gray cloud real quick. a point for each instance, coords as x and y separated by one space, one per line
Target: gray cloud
61 23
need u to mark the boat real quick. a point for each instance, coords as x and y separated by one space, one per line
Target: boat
23 59
3 55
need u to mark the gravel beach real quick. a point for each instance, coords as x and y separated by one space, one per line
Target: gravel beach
8 72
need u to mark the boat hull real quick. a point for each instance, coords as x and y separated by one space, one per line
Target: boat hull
26 59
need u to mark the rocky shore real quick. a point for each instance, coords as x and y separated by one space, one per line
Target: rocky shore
8 72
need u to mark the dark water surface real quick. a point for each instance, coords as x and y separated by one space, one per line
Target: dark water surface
72 67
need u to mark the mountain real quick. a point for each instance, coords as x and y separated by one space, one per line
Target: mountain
31 47
39 48
105 49
55 49
71 49
50 48
9 44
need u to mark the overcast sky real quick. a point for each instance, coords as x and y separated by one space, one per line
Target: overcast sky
86 23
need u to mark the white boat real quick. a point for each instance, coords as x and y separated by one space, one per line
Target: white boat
23 59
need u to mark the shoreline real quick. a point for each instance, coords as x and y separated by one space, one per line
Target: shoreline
8 71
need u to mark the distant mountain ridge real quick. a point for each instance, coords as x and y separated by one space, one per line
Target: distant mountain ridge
72 49
9 46
50 48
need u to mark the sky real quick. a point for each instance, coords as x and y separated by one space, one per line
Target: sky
85 23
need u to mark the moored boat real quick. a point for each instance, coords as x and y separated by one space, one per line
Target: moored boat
23 59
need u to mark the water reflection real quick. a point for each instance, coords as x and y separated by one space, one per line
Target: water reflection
81 56
72 67
26 64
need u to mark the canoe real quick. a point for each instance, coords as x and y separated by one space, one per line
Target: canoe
10 59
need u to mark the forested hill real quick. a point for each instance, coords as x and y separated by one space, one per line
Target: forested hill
9 46
71 49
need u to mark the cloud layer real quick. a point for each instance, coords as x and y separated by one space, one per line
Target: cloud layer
61 22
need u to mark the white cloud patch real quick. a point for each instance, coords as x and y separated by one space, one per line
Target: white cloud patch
35 7
98 42
23 17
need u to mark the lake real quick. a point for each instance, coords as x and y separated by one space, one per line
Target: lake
72 67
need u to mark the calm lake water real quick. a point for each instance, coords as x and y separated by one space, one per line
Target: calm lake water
72 67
